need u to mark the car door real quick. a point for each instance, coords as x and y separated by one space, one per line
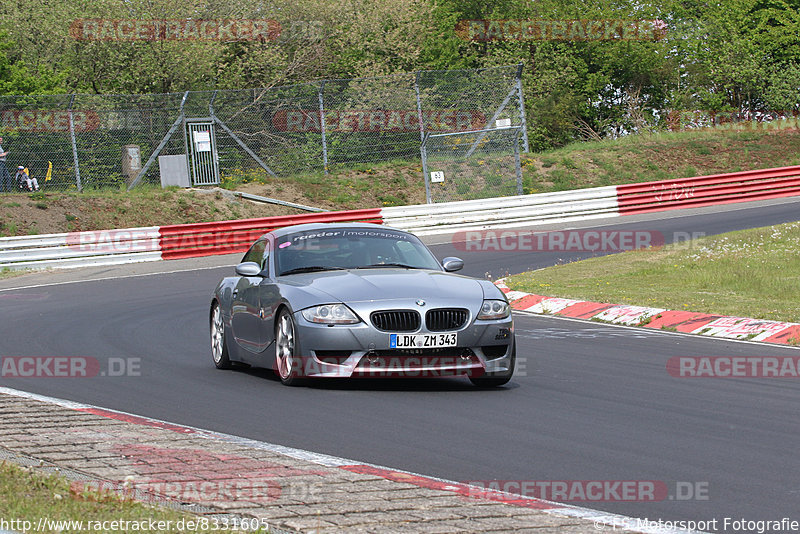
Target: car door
269 299
245 309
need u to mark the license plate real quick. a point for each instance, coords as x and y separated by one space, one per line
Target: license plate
422 341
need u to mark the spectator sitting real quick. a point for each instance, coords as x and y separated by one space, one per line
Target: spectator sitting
25 181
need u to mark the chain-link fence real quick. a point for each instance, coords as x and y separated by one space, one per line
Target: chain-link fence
470 165
94 141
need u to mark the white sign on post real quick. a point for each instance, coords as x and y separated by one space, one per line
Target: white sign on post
202 140
437 177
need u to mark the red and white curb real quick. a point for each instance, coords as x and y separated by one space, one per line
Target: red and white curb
601 520
705 324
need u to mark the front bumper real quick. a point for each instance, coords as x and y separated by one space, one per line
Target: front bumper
363 351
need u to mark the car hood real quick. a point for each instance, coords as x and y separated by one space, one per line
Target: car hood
360 285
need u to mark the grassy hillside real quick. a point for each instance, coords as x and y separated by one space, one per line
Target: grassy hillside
640 158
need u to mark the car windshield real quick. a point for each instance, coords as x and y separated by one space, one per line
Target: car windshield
351 248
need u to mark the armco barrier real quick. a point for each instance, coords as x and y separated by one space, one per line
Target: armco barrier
205 239
80 249
762 184
504 212
109 247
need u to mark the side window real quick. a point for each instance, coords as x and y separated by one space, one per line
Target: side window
256 253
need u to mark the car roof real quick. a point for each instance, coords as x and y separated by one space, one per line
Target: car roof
279 232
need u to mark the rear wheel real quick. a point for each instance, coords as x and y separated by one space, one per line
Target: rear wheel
493 380
287 366
219 348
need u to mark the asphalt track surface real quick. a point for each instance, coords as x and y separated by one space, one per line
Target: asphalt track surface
589 401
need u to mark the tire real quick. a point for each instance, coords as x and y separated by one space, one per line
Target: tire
286 363
493 380
219 345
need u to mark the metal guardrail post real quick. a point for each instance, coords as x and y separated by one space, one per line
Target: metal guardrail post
422 148
322 126
74 145
524 123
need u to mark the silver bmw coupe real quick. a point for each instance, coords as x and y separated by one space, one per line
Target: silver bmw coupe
359 300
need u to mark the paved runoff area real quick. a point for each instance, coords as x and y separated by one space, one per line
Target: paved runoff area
236 482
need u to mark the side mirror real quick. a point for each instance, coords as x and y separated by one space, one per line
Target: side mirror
248 268
452 264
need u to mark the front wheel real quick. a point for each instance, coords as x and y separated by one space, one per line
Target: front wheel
219 348
493 380
286 365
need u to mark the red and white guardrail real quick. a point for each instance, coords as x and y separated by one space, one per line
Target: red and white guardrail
762 184
155 243
107 247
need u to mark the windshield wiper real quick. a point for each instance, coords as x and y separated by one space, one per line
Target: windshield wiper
379 265
310 269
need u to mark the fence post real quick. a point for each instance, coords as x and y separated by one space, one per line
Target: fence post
211 104
523 122
74 145
517 163
422 149
322 126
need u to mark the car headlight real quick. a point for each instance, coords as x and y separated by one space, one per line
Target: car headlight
494 309
330 314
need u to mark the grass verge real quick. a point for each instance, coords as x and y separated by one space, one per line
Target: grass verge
658 156
26 495
9 273
749 273
53 212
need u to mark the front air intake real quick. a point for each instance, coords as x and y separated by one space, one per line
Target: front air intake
444 319
396 320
